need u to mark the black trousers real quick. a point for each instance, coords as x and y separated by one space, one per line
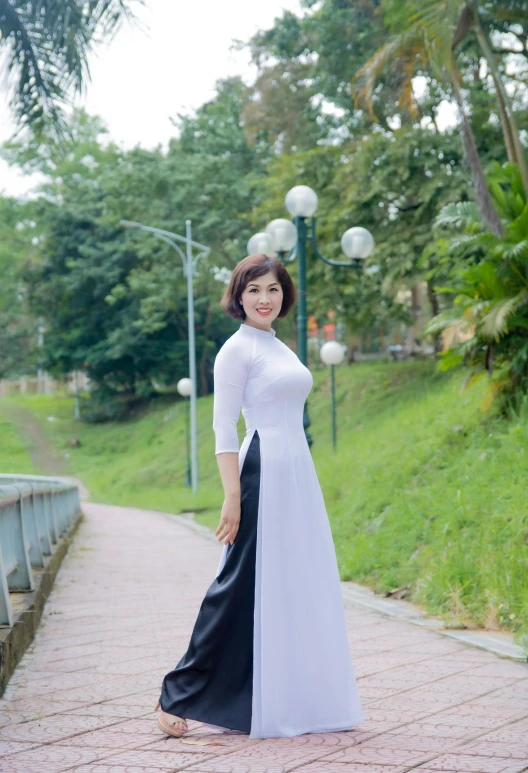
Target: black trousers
213 682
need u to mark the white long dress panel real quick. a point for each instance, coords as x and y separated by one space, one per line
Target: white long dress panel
303 677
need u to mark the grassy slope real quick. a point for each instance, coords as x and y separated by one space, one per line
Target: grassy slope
14 456
427 488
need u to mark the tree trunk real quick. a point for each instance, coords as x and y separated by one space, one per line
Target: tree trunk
482 194
506 125
435 309
433 300
503 99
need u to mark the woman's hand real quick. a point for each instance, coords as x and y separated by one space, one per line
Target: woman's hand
229 520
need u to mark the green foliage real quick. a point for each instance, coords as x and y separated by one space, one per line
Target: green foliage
46 45
18 327
114 300
14 456
393 183
488 323
426 490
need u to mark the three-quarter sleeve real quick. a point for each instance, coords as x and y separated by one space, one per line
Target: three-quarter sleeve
231 370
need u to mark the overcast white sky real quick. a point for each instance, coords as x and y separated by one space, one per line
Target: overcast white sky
168 64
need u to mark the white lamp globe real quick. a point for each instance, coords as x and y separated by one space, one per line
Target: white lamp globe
184 387
261 244
357 243
301 201
282 233
332 353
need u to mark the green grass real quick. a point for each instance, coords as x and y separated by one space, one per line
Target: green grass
427 488
14 456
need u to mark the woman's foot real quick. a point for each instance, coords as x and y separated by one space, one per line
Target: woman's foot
170 724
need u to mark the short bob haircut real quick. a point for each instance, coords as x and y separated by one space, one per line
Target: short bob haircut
244 273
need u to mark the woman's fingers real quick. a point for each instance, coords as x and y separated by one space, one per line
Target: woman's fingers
226 532
232 534
222 526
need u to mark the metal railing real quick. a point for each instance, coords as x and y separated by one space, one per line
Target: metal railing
34 513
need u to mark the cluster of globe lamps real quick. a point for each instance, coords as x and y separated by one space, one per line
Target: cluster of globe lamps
287 240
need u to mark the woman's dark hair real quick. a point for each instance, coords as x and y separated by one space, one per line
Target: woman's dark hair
247 270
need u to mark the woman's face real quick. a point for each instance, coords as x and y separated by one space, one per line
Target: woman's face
262 300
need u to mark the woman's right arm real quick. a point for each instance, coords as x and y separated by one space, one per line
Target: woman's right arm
230 375
230 515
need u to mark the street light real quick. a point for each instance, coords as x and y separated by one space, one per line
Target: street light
261 243
40 344
283 235
289 242
357 243
332 353
189 269
184 387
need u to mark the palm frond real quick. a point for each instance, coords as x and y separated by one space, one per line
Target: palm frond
516 251
495 323
441 322
364 82
48 43
461 215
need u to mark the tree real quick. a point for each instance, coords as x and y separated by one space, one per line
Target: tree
114 300
428 32
47 45
18 326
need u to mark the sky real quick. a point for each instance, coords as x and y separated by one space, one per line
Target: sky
168 64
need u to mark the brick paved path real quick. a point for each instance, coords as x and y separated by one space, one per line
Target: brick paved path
120 616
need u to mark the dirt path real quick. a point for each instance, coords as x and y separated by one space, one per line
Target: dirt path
44 456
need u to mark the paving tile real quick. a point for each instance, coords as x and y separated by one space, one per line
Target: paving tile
13 747
366 753
434 728
279 754
155 760
201 744
107 768
432 744
49 759
463 763
339 767
110 710
489 749
51 729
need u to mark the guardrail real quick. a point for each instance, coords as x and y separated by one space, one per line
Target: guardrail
34 513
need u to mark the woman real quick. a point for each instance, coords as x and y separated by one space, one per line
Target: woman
269 652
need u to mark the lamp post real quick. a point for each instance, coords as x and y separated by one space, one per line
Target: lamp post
184 387
40 344
77 409
189 269
332 353
288 240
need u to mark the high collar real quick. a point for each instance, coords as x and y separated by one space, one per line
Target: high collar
250 330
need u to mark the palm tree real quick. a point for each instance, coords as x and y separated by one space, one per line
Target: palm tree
508 121
429 31
47 45
488 320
